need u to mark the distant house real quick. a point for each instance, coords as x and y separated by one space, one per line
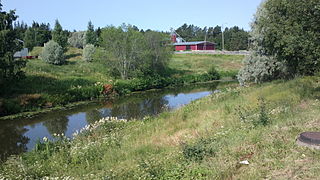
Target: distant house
21 54
194 46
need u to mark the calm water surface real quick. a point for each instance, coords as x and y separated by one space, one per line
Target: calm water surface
21 135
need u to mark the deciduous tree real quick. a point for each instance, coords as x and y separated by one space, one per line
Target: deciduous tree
10 68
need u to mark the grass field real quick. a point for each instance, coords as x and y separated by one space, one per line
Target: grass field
197 63
49 85
206 139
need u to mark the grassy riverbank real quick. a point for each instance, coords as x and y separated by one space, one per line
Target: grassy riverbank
203 140
47 86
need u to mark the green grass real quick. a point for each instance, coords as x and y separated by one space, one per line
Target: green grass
203 140
199 63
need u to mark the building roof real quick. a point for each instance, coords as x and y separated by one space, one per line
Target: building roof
22 53
192 43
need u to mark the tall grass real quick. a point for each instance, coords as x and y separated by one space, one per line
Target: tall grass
203 140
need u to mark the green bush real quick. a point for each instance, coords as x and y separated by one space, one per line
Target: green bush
88 52
53 53
213 73
199 150
10 106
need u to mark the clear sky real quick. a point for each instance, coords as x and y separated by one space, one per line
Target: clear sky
147 14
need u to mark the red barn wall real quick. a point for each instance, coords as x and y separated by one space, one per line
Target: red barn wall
194 47
208 47
180 48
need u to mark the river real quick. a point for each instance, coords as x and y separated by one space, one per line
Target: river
21 135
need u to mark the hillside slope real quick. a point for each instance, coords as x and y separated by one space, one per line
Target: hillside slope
204 140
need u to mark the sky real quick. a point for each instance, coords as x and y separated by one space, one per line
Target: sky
158 15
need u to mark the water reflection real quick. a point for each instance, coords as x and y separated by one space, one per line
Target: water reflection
21 135
12 140
57 125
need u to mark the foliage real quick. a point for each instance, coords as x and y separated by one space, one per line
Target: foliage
263 114
77 39
90 35
88 52
10 68
37 35
53 53
259 68
235 38
214 73
158 53
130 53
199 150
60 36
156 81
20 28
289 31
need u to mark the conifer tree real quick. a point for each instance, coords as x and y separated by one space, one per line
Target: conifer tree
60 36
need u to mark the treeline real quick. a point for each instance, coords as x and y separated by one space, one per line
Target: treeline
235 38
39 33
285 41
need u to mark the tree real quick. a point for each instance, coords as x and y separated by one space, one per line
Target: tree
91 36
235 38
37 35
131 53
289 31
10 67
158 54
77 39
20 29
53 53
29 39
124 49
60 36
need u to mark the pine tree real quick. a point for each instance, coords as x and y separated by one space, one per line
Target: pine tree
60 36
91 36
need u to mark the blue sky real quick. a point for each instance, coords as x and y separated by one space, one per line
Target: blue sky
147 14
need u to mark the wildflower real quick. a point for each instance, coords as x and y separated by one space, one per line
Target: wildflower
45 139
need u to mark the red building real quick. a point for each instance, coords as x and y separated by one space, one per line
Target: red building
194 46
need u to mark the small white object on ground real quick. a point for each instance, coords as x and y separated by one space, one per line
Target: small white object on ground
246 162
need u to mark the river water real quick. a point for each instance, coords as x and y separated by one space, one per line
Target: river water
21 135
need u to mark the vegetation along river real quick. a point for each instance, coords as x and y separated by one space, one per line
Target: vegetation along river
21 135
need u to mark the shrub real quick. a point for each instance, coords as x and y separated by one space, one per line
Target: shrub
53 53
77 39
260 68
213 73
199 150
88 51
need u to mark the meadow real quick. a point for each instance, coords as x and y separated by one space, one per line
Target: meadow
206 139
46 85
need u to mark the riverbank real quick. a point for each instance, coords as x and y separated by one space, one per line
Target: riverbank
53 87
205 139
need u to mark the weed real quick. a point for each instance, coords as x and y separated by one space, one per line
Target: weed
199 150
263 118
